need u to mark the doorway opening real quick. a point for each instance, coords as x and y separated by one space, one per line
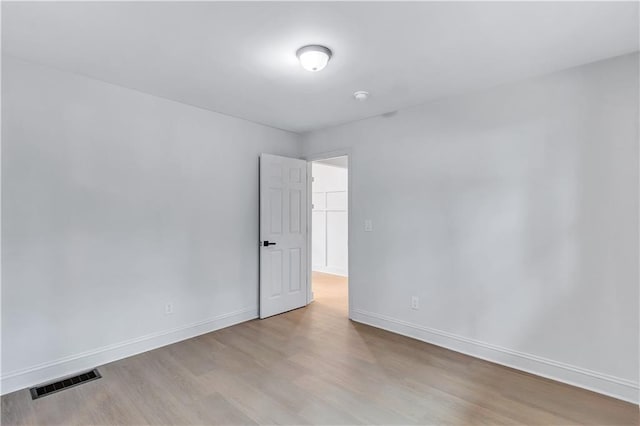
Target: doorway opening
329 233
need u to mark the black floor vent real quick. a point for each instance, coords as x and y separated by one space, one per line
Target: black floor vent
69 382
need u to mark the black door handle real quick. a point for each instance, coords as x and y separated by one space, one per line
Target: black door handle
267 244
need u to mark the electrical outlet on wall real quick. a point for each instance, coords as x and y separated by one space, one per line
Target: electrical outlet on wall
415 302
168 308
368 225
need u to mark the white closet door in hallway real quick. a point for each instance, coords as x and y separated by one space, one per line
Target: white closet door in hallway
330 219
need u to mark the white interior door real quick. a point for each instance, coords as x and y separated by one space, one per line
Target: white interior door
283 234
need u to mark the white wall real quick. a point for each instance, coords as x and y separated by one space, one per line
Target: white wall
513 215
115 203
329 219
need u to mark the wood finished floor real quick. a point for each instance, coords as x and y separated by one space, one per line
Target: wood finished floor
313 366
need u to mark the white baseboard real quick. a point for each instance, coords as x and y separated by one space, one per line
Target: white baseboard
598 382
41 373
330 270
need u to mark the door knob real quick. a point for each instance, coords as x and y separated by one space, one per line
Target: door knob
267 244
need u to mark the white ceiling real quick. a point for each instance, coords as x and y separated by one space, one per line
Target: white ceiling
239 58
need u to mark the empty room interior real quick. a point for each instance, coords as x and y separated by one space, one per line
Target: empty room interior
329 213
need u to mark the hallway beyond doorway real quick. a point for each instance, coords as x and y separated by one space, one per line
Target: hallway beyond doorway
331 291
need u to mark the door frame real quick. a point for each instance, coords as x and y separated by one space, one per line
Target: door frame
310 159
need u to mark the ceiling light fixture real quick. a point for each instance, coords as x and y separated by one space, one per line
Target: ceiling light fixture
361 95
313 57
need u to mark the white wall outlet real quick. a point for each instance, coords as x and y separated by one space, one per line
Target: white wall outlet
368 225
415 302
168 308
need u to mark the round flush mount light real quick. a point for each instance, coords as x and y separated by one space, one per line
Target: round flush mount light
361 95
313 57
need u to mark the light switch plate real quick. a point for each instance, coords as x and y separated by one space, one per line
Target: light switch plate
368 225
